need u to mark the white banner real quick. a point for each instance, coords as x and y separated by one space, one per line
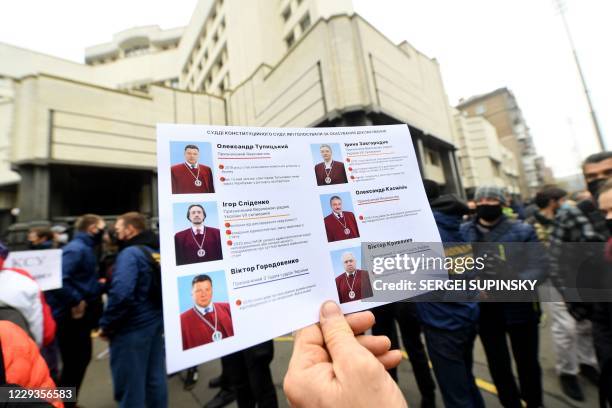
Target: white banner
44 265
259 226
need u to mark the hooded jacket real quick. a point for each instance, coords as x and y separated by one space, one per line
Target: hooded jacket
448 212
129 306
23 364
19 290
79 276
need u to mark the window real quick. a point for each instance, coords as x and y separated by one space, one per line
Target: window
305 22
433 157
496 168
290 40
137 50
480 109
286 14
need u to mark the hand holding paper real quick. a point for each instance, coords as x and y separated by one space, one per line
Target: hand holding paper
332 367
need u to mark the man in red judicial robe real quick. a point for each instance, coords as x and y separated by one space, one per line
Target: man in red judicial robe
353 284
329 171
206 321
340 224
191 177
198 243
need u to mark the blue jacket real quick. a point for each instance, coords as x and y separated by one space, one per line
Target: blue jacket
448 315
129 306
528 262
79 276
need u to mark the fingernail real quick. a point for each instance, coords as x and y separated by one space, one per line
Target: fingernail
330 309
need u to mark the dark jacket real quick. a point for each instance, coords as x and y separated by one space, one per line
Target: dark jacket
129 306
525 262
448 212
79 276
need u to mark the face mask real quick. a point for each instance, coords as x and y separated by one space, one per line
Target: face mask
609 224
489 212
97 237
594 186
62 238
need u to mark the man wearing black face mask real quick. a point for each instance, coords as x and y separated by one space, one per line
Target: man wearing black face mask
517 320
77 306
582 224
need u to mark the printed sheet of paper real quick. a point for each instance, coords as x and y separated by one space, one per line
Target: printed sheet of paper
259 226
44 265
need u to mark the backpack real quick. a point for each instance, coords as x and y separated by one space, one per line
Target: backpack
155 289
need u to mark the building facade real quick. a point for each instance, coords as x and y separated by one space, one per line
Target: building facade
483 160
501 109
81 137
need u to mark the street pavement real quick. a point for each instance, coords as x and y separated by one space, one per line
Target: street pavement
97 388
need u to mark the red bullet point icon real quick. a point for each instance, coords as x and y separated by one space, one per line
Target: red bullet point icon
228 232
221 166
361 217
352 177
238 302
227 224
350 169
222 178
230 243
348 160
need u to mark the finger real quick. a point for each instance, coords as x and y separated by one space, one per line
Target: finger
338 335
390 359
376 345
360 322
308 348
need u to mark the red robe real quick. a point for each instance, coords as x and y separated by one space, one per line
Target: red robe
196 333
337 173
335 229
187 249
183 181
362 286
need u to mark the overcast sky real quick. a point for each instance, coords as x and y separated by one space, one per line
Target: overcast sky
481 45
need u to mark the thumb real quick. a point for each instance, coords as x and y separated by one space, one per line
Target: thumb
338 335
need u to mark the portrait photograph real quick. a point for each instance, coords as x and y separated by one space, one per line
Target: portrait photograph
339 218
196 232
191 168
329 164
206 315
352 282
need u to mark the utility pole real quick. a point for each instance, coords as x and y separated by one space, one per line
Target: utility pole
561 8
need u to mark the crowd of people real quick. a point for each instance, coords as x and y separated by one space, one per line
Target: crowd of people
46 337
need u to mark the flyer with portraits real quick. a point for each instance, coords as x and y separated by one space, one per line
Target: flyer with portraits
260 226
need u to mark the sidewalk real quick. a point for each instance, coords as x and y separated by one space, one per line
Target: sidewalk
97 387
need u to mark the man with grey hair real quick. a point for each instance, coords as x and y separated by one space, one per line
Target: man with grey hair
329 171
353 284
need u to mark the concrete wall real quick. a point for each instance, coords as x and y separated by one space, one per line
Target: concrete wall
483 160
61 121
